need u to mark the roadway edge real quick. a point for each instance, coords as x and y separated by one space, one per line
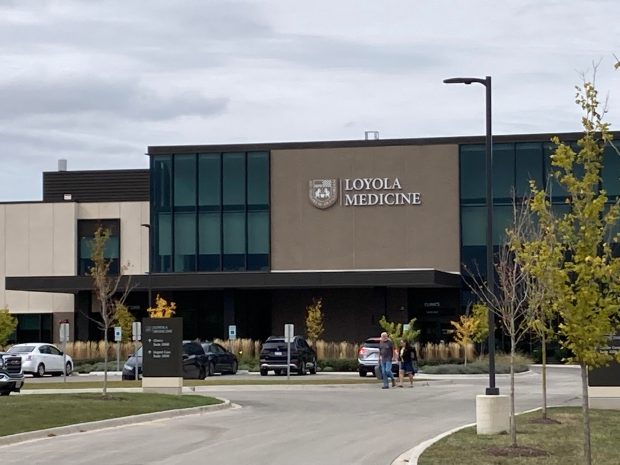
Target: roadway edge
112 422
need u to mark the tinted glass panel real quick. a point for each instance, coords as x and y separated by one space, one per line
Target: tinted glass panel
503 170
529 165
234 240
234 178
210 186
258 178
185 242
164 242
86 233
557 191
210 242
472 165
611 172
473 225
161 181
184 180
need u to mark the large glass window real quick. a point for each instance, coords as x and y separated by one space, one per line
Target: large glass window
210 211
472 161
184 181
184 242
529 166
210 241
86 237
233 183
503 171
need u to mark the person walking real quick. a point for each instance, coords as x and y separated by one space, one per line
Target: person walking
407 355
386 353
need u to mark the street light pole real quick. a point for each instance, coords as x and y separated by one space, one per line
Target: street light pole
486 82
148 226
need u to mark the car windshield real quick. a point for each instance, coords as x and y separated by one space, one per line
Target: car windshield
21 349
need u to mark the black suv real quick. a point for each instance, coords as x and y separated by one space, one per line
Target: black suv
273 356
11 376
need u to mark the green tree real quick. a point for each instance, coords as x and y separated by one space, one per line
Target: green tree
109 290
509 300
584 281
481 313
124 319
468 328
543 253
8 325
314 320
397 331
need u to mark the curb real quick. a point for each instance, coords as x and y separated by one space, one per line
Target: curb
411 456
112 422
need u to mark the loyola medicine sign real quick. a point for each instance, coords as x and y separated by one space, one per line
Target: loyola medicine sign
360 192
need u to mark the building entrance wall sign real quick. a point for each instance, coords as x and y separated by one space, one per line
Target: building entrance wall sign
361 192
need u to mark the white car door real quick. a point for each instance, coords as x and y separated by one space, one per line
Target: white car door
55 358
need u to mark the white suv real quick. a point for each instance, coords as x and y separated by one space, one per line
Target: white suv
368 357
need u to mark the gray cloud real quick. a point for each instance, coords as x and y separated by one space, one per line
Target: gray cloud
122 99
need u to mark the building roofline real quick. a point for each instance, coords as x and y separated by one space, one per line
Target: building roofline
504 138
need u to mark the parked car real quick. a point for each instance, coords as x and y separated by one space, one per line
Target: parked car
368 357
199 360
273 356
11 376
40 358
219 359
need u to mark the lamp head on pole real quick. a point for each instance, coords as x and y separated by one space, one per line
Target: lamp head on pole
467 80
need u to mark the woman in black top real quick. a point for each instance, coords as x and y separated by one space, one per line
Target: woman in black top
407 355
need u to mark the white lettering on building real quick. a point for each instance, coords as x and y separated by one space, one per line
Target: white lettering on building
361 192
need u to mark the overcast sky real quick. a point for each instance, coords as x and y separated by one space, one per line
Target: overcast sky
96 82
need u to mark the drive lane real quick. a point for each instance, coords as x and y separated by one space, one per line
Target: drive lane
307 425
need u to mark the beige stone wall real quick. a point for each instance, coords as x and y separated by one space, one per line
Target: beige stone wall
134 237
39 239
366 237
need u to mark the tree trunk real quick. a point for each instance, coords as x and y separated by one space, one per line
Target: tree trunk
105 356
544 376
585 405
513 420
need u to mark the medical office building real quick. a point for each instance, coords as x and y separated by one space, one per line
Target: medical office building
250 234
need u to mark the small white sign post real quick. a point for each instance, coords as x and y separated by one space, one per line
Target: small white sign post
118 337
64 337
232 335
136 335
289 332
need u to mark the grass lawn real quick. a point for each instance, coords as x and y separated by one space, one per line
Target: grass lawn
34 412
214 381
562 442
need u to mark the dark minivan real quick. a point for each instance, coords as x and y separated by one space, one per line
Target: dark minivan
273 356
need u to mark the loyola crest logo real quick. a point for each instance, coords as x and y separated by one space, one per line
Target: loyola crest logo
323 193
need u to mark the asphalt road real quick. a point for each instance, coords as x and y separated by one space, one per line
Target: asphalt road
305 425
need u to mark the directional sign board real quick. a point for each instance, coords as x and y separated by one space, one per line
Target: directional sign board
64 331
162 340
118 334
232 332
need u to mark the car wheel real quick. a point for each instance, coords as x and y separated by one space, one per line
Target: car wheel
235 367
302 368
4 393
211 371
68 369
362 373
263 372
40 370
313 368
278 372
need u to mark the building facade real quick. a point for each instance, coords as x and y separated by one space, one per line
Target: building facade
249 235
